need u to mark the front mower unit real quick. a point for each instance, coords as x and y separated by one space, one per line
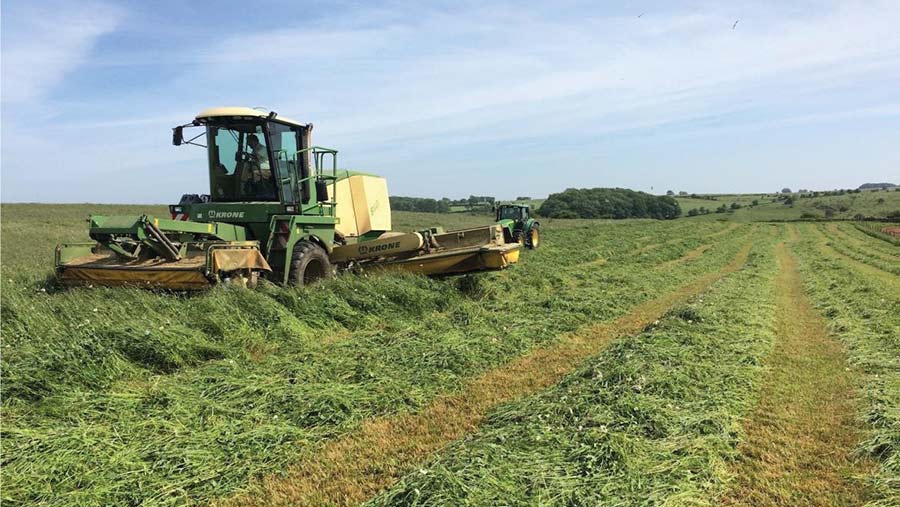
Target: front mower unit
147 251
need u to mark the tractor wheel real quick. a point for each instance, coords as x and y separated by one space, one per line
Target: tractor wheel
519 238
309 263
534 237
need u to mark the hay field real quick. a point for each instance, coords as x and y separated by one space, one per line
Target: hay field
622 363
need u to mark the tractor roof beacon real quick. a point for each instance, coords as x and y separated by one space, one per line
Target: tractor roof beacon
519 225
277 207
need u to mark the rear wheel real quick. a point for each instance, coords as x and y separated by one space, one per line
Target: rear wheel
309 263
519 238
534 237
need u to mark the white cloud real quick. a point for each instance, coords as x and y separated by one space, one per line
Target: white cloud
43 43
483 84
435 72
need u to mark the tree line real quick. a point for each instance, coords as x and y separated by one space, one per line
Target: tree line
609 203
428 205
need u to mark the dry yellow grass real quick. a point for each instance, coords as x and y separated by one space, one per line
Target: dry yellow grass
799 440
354 468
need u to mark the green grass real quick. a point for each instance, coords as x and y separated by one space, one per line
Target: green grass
127 396
124 396
874 229
717 200
844 207
655 418
650 421
863 308
860 249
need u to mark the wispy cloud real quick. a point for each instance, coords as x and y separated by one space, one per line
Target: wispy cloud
44 42
398 86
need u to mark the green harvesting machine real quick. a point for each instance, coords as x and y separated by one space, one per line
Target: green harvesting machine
278 208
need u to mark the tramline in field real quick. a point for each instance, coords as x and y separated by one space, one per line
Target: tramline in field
278 207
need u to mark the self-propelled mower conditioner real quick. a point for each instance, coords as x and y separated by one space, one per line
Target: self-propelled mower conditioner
278 208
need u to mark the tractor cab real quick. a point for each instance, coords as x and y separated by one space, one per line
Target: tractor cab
240 162
518 224
260 157
514 212
261 166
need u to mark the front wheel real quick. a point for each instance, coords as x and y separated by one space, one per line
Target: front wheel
534 237
309 263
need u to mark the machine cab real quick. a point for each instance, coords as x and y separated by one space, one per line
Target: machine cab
258 156
514 212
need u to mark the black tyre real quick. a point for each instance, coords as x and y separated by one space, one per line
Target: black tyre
518 237
309 263
533 239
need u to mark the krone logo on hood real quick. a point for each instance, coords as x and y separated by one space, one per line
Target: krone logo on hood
225 214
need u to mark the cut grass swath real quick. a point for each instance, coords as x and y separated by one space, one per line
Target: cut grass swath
132 397
863 308
863 254
351 469
652 420
799 441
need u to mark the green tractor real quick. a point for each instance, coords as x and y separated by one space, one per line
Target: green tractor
519 226
279 208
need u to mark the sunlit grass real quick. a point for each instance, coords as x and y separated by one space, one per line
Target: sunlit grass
130 396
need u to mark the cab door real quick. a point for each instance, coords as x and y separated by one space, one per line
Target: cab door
285 141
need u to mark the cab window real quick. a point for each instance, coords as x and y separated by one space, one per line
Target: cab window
510 213
239 164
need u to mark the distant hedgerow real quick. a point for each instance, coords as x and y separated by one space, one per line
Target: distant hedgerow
609 203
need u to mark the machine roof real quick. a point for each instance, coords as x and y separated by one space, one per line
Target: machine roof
245 112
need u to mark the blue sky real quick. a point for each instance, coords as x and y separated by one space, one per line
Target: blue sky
458 98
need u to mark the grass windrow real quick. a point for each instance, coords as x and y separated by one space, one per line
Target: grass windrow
129 396
863 310
651 420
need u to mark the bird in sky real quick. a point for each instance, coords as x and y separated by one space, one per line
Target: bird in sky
735 24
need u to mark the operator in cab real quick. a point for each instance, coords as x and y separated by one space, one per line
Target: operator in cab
257 176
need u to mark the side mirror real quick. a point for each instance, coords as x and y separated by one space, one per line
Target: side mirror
177 136
321 190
